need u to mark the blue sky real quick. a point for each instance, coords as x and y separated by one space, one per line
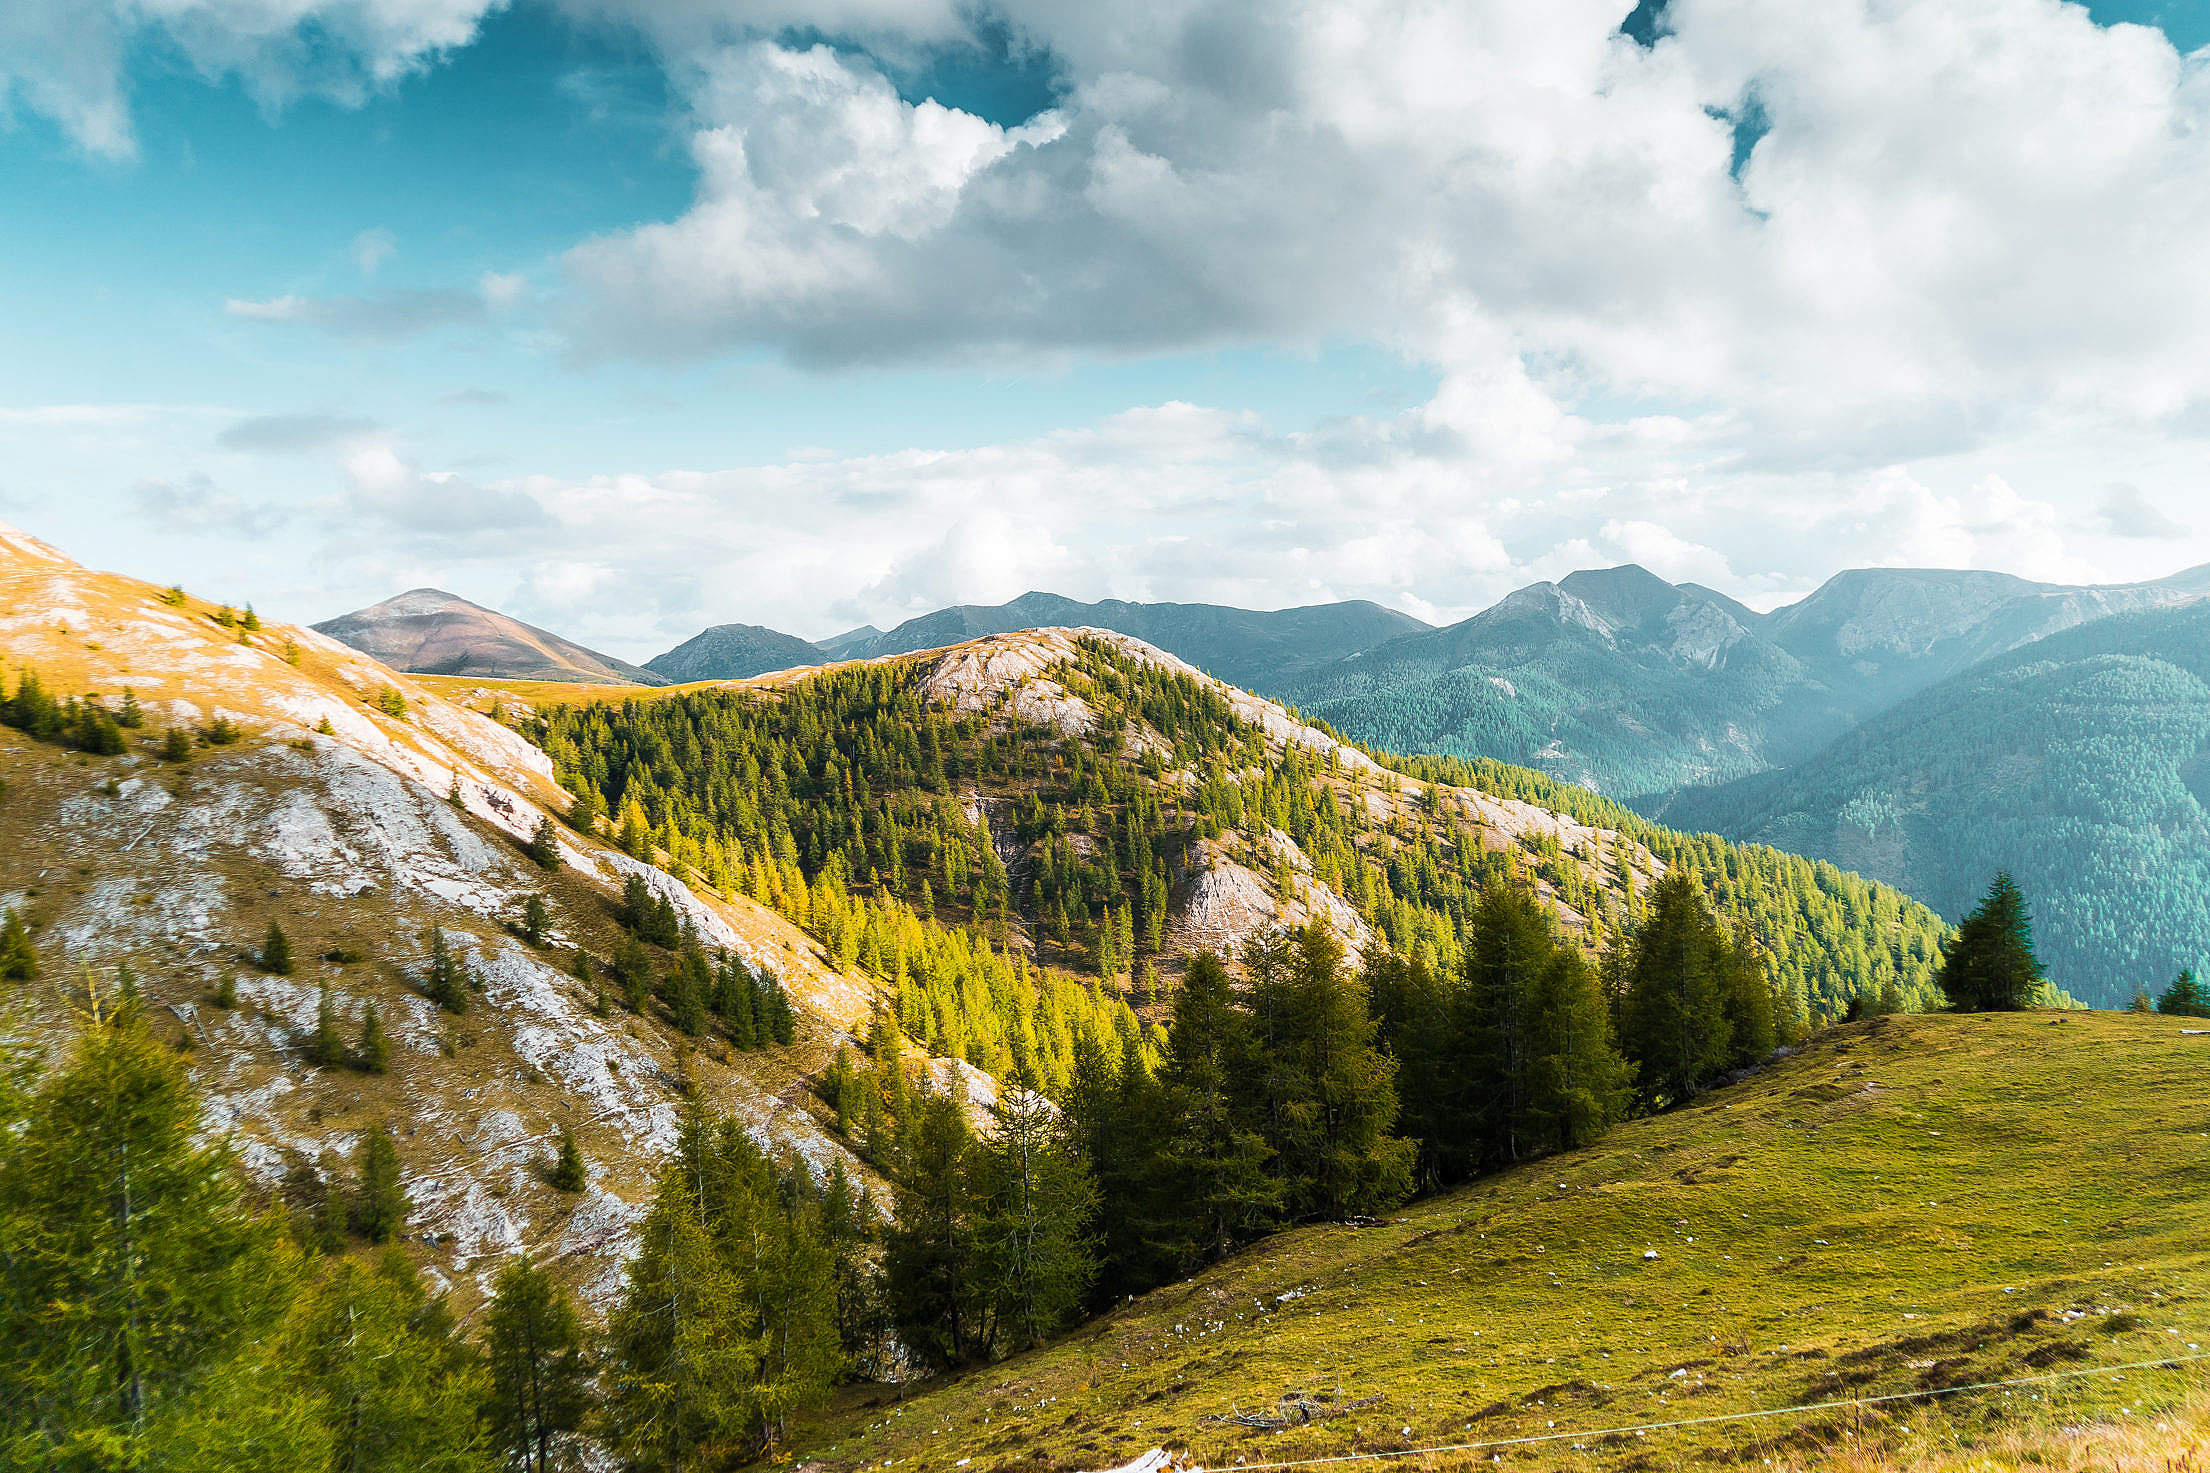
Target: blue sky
632 318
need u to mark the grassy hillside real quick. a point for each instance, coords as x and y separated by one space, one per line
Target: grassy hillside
2081 763
1911 1203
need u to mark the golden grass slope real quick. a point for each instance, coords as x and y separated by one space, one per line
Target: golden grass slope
1913 1203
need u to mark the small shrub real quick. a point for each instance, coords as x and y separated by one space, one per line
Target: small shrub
391 703
276 951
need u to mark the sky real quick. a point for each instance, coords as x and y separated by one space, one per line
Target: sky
628 317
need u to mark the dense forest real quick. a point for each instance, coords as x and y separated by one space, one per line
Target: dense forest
850 805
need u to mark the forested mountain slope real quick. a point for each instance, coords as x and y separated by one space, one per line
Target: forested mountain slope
1613 680
1910 1204
1619 681
429 632
1087 802
312 789
2080 762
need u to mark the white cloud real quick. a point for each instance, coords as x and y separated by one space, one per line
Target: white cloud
67 59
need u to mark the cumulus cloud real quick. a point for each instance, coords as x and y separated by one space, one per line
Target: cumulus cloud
1959 214
388 489
67 59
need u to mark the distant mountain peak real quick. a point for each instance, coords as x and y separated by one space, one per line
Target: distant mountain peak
428 631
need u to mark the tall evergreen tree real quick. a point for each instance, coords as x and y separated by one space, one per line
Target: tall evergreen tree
1673 1011
933 1285
1326 1096
534 920
446 981
327 1047
380 1200
1578 1086
544 844
1039 1198
1989 965
568 1173
140 1304
1212 1186
400 1391
539 1381
675 1373
1510 946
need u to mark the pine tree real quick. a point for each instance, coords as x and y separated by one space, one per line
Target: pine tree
1213 1166
326 1048
1989 965
446 981
2185 998
544 844
1510 946
534 920
380 1200
399 1390
1326 1096
143 1300
933 1283
18 957
251 621
175 745
1577 1084
675 1373
583 813
1039 1199
132 716
276 951
1673 1015
568 1174
534 1347
633 974
374 1053
226 991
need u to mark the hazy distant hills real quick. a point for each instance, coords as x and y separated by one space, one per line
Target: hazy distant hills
2080 762
1258 651
1634 686
1616 680
427 631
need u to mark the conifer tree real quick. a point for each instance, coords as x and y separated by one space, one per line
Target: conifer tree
633 974
276 951
675 1373
18 957
380 1200
1989 965
568 1174
446 981
534 1349
2185 998
400 1392
132 716
374 1053
140 1317
544 844
1510 947
1577 1085
1327 1097
1673 1016
1214 1165
1039 1199
933 1283
226 991
175 745
326 1048
534 920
